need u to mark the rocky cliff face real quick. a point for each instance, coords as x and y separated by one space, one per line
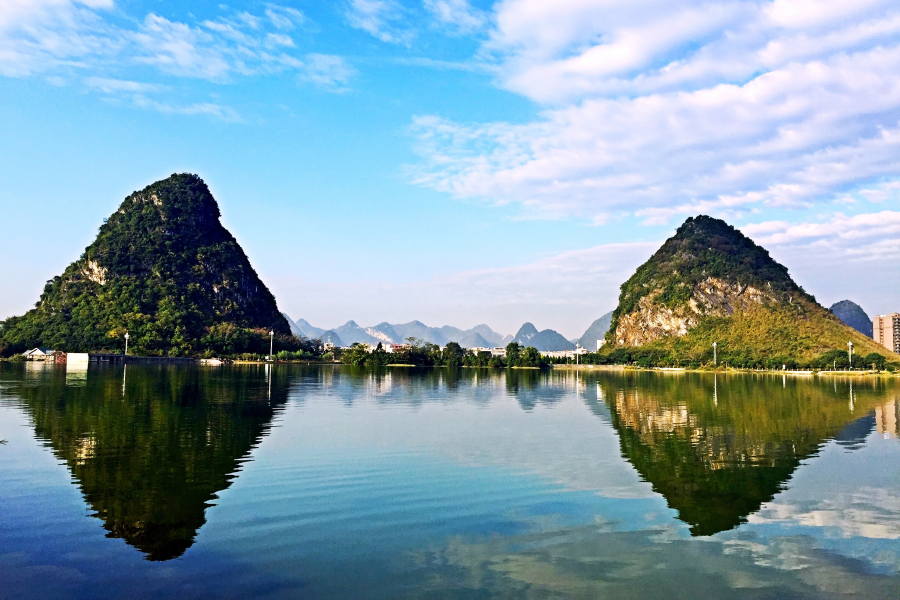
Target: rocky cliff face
652 321
707 269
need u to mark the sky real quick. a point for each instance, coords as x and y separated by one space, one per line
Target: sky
460 162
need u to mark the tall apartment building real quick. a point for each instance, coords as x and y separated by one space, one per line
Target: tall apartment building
886 331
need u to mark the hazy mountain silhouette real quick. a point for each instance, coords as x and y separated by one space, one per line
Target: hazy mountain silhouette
852 314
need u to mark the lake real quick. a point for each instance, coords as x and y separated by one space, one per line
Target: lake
332 482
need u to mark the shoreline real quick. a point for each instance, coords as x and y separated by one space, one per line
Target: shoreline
803 373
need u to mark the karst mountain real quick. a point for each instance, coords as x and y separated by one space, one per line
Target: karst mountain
164 269
710 283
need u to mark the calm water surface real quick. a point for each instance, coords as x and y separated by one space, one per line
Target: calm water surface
337 483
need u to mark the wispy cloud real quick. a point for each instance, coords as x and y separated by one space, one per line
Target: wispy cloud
380 18
210 109
62 37
458 15
215 50
114 86
330 72
38 36
662 109
139 94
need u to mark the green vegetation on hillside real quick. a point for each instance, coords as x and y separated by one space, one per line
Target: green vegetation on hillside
789 329
702 247
164 269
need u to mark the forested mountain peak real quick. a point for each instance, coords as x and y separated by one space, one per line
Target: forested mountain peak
710 283
162 268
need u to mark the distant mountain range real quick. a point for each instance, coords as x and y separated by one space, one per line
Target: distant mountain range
480 336
596 332
545 341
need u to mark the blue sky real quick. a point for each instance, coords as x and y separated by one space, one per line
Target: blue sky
460 162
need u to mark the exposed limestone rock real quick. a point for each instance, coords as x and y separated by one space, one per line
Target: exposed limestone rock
712 297
94 272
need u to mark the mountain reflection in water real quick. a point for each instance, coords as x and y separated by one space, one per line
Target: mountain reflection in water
151 448
717 448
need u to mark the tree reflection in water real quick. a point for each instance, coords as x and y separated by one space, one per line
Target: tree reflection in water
151 459
718 452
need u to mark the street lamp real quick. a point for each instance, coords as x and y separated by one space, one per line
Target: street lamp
850 353
715 356
126 343
271 340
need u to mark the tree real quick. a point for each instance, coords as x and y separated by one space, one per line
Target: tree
452 355
513 349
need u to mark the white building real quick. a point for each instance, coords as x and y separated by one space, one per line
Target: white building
577 352
40 354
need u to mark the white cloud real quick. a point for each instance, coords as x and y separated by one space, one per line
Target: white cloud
661 109
328 71
378 18
284 17
15 12
40 35
458 14
867 513
867 236
65 35
840 256
52 34
214 50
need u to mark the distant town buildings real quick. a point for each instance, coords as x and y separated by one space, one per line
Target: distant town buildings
579 351
389 348
886 331
499 351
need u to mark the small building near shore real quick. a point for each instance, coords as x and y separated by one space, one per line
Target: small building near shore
40 354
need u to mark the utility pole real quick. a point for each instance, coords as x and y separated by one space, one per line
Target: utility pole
271 341
715 356
850 353
126 343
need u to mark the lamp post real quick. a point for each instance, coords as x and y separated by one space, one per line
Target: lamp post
271 340
715 356
126 343
850 353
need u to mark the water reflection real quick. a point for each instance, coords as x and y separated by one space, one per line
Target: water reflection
718 452
150 448
151 451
